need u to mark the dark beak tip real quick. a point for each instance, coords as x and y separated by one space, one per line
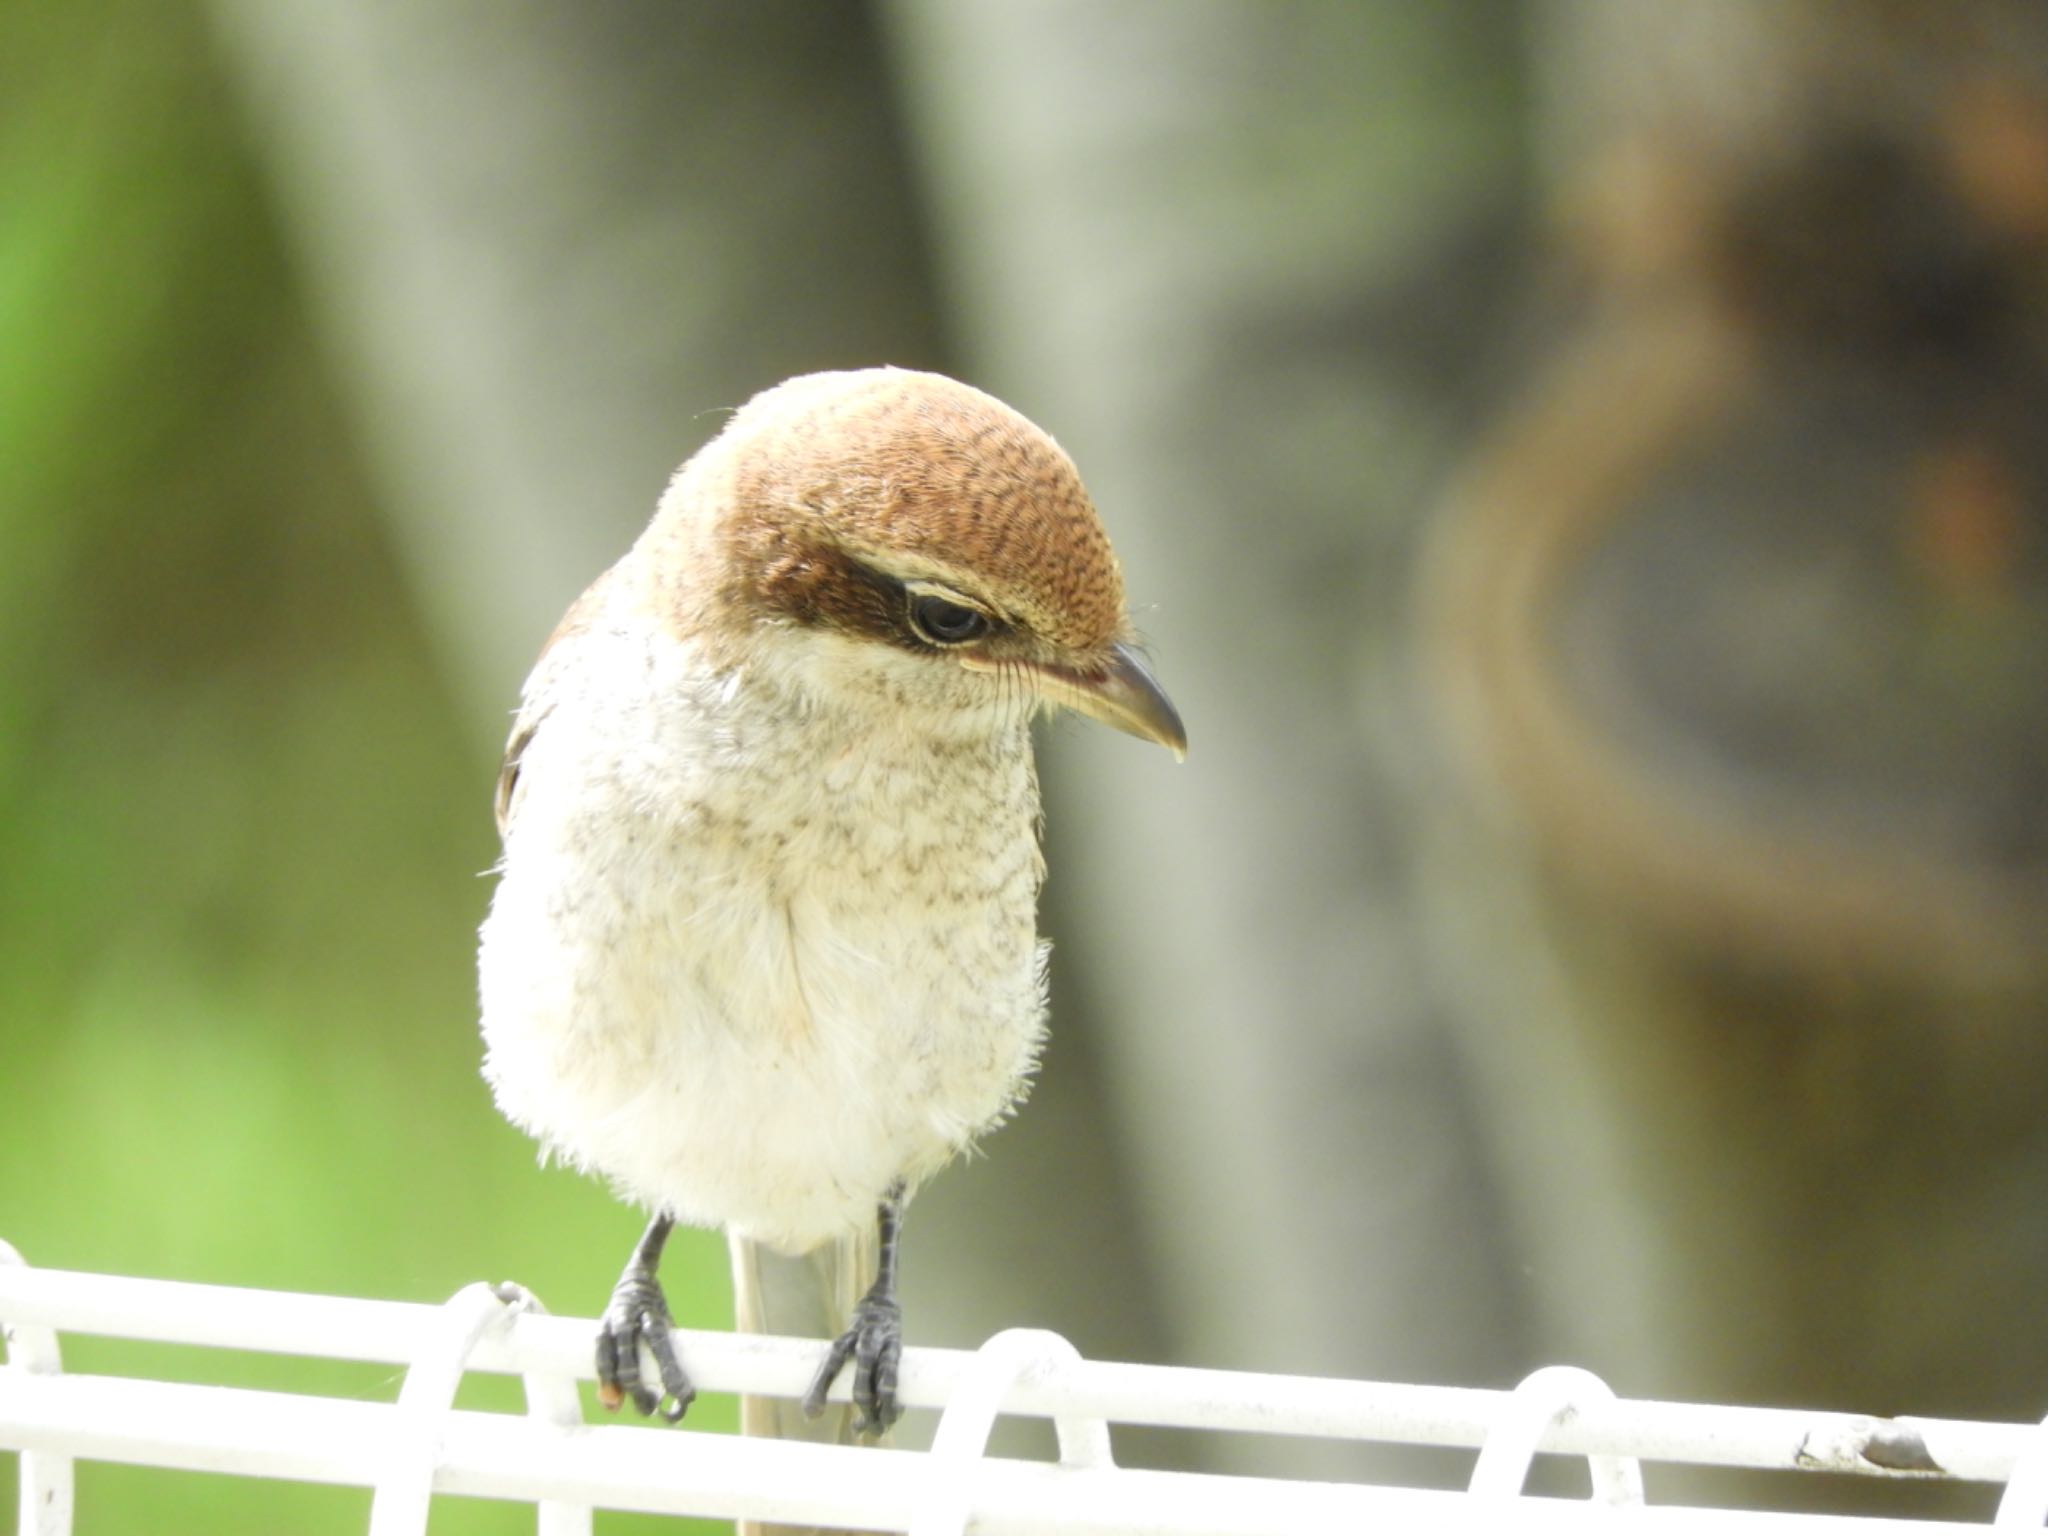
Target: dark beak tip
1151 714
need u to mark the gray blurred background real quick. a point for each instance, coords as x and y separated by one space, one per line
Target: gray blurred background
1579 465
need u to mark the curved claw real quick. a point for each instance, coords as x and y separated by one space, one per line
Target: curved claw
875 1345
639 1314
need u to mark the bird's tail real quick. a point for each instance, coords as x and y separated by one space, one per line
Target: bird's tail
805 1296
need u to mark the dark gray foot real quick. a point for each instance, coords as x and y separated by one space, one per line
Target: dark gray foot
875 1341
875 1346
638 1313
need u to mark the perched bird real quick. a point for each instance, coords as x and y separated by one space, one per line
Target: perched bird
763 950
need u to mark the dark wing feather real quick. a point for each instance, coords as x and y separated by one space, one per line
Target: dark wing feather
508 772
537 699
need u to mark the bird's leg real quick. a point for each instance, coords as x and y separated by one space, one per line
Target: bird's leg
874 1342
638 1314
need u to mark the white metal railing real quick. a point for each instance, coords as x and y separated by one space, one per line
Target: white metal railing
419 1446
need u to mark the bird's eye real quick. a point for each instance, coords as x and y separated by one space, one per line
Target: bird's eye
942 621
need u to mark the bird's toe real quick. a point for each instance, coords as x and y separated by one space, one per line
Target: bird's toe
639 1315
874 1343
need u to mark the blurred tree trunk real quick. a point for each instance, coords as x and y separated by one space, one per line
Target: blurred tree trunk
1737 619
552 244
1237 256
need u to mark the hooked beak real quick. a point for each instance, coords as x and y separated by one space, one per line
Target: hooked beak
1123 693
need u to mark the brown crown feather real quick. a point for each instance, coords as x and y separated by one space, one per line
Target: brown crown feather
912 472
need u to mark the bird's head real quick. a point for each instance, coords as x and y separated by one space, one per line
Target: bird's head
901 538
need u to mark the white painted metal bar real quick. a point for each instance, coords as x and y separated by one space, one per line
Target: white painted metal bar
47 1485
405 1487
393 1332
679 1471
1554 1395
2025 1503
959 1448
551 1400
419 1446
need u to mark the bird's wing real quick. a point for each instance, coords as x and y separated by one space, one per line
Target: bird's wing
523 729
538 697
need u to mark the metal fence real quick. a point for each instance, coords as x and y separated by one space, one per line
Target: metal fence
409 1450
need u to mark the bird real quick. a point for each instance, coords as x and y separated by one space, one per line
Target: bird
763 950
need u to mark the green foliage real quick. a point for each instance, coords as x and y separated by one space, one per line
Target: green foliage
241 830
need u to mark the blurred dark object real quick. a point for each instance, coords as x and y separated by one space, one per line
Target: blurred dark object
1738 622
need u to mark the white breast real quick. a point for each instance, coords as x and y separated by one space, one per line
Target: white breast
752 965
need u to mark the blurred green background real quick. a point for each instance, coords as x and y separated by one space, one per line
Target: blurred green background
245 828
1577 462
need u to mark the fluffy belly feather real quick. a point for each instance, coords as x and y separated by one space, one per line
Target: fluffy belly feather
763 1043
